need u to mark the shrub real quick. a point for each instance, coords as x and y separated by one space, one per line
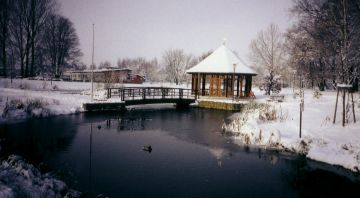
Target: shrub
254 105
267 113
12 105
317 94
5 83
55 87
32 104
102 85
44 84
24 86
56 102
271 113
30 107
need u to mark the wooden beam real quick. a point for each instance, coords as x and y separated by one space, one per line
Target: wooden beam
241 85
237 85
203 84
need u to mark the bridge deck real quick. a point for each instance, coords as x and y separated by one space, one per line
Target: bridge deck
142 95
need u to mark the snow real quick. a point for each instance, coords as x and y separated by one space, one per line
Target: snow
344 85
275 125
22 98
222 60
52 103
321 139
20 179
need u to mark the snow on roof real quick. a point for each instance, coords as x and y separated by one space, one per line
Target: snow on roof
221 61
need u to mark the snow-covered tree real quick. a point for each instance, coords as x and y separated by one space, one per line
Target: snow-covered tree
176 62
104 64
268 56
140 65
271 83
332 27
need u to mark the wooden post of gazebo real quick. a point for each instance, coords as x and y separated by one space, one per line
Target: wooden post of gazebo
203 85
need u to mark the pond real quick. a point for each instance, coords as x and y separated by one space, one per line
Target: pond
103 153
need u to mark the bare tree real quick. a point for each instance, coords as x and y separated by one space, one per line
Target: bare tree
5 11
124 63
267 55
92 66
61 43
39 11
176 62
204 55
27 22
18 33
147 68
105 64
333 27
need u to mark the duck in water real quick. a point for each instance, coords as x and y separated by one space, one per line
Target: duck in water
147 148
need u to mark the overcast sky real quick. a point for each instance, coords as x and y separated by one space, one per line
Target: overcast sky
133 28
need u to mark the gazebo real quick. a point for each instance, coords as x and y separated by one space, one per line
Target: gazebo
221 74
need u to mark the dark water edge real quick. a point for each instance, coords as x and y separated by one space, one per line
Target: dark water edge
190 157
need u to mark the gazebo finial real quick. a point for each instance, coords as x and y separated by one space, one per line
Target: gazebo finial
224 41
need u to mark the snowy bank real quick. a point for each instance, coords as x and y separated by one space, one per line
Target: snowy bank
275 125
17 104
20 179
22 98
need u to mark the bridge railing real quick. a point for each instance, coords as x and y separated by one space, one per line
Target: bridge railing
143 93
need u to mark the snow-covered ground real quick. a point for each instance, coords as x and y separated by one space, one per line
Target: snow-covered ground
275 125
29 98
20 179
23 98
321 139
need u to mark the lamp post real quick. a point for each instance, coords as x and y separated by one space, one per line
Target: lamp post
92 68
294 72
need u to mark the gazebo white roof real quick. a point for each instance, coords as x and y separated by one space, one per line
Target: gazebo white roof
221 61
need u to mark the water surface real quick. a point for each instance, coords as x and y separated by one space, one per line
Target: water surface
102 153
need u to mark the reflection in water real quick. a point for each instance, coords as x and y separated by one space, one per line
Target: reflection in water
38 139
90 156
311 179
104 154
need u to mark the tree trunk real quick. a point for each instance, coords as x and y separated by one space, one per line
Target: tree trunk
355 85
32 61
26 74
4 59
4 35
32 40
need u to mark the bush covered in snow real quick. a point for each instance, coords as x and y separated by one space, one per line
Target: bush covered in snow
55 87
245 126
17 108
271 83
317 94
21 179
24 85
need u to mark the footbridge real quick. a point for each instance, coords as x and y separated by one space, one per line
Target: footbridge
119 98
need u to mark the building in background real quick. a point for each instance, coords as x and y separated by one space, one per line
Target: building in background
107 75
